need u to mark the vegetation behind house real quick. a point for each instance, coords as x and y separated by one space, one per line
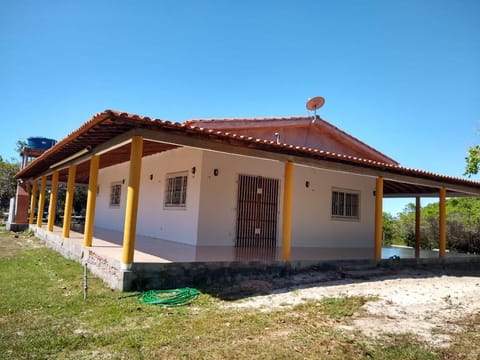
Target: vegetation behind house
463 226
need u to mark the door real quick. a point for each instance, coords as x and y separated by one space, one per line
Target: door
257 207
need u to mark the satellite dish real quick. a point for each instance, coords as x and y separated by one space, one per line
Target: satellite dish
315 103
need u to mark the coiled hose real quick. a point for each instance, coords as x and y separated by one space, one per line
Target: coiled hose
167 298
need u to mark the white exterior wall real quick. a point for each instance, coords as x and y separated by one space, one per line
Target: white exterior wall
210 214
312 223
153 219
218 201
166 223
106 216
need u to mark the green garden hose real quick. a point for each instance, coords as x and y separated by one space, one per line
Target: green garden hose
168 298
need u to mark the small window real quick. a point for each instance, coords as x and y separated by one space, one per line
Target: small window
176 190
115 194
345 204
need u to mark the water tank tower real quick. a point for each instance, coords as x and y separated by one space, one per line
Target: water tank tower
40 143
36 146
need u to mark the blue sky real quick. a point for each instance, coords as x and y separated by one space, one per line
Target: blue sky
402 76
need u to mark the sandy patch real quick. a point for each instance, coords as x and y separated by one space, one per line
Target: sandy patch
419 303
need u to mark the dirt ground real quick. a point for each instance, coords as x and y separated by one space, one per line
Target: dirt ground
426 304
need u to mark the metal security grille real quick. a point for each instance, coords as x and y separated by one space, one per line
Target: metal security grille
345 204
257 208
176 191
115 194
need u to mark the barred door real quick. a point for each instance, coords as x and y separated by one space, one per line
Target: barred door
257 207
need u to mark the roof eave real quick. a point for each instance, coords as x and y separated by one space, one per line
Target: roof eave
182 134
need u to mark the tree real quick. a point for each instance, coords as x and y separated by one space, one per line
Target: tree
8 184
391 231
472 161
21 144
79 200
463 225
406 225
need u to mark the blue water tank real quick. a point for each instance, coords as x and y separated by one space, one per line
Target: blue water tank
40 143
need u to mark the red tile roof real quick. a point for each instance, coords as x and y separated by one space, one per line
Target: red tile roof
109 124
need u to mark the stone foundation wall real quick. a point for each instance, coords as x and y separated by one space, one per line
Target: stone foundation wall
147 276
173 275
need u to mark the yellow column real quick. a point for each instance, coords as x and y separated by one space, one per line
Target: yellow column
41 201
67 214
91 200
378 218
33 202
287 211
418 210
52 207
131 210
442 246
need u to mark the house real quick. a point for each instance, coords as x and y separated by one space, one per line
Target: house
280 189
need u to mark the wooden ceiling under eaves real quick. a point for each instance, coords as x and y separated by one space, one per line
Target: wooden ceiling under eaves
401 189
113 157
122 154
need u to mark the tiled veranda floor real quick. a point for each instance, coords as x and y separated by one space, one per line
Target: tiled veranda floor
108 243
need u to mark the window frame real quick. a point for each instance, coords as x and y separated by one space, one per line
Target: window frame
116 185
175 194
347 204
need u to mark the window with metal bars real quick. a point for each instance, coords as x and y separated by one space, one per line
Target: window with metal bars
115 194
345 204
176 190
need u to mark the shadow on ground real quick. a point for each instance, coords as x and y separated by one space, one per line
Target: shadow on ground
260 286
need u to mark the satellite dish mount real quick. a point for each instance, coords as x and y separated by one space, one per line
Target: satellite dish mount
315 103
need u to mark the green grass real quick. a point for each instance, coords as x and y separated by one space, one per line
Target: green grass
43 316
